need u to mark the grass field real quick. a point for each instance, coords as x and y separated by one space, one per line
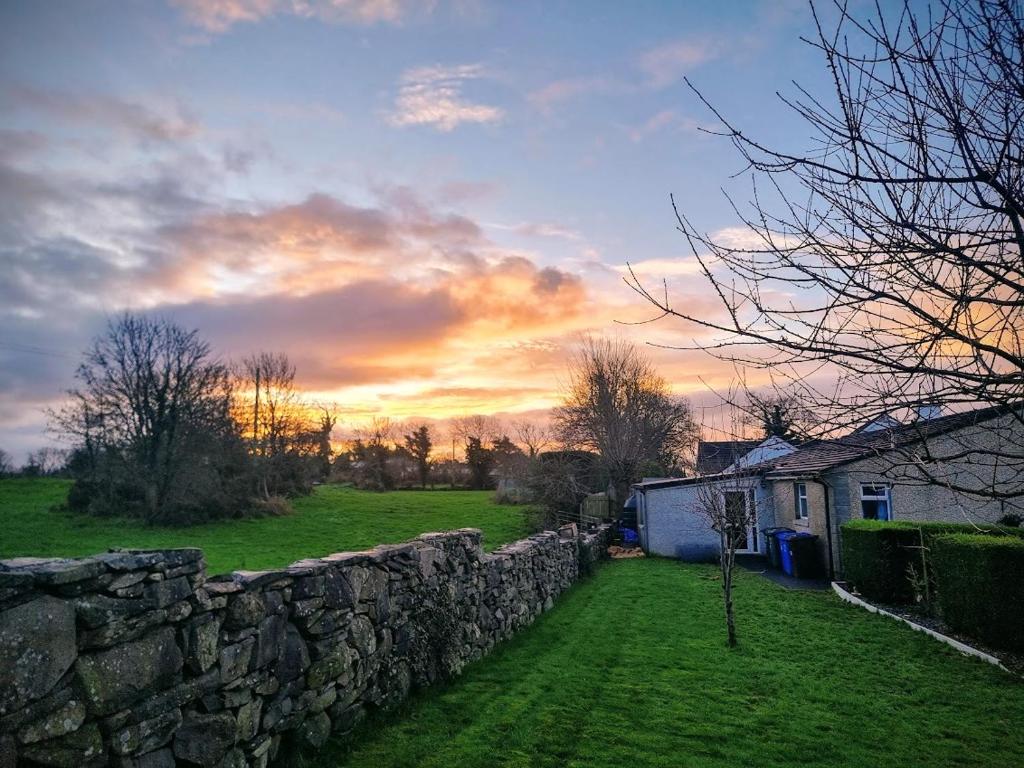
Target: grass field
630 669
332 519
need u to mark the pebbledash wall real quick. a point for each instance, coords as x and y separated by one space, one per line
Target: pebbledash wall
135 658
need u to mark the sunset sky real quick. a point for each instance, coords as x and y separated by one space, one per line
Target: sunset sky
425 204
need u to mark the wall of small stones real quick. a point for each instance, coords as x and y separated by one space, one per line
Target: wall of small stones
138 659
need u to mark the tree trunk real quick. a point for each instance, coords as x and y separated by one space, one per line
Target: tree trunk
726 561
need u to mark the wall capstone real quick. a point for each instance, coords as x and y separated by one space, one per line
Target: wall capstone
136 659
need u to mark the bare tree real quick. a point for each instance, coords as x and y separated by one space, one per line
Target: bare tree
152 409
729 508
279 424
619 407
483 428
45 461
532 437
892 253
6 465
371 449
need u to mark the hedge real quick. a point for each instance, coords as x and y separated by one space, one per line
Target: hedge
877 555
981 586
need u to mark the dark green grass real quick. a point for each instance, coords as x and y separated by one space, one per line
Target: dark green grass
332 519
630 669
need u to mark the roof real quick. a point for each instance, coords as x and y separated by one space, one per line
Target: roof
822 455
764 452
714 456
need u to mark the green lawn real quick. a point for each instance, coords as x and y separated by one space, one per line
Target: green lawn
630 669
332 519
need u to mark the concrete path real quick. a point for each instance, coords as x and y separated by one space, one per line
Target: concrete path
758 564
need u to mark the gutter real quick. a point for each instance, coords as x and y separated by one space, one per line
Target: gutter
828 527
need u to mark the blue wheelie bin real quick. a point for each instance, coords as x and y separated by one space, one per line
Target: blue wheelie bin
785 556
773 548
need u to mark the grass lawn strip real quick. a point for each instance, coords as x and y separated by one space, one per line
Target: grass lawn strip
631 669
332 519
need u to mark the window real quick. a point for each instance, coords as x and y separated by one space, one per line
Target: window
875 502
800 495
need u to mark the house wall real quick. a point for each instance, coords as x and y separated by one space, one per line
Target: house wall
784 496
914 497
676 526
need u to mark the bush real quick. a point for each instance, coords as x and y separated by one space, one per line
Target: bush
981 586
878 556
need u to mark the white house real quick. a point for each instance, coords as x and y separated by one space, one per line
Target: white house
671 520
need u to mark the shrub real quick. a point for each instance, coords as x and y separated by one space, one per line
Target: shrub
981 586
878 556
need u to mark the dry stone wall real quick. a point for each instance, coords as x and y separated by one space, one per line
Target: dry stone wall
137 659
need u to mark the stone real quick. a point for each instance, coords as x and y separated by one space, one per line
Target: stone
253 580
294 658
221 588
161 758
235 758
164 593
147 735
235 659
376 583
201 641
345 719
327 668
338 592
325 622
58 723
125 580
314 731
323 700
138 560
308 587
248 719
245 609
37 646
270 640
179 611
204 739
362 636
96 610
40 708
117 677
59 572
121 631
8 752
75 750
183 556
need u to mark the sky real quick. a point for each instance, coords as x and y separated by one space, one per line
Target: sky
426 205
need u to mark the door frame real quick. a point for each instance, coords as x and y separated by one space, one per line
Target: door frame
753 545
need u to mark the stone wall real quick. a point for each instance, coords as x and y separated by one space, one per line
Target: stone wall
136 658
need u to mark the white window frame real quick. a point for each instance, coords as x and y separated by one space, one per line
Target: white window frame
802 503
886 497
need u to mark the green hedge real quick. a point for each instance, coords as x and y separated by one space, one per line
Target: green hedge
877 555
981 586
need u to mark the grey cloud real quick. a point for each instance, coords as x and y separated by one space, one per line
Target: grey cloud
136 119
